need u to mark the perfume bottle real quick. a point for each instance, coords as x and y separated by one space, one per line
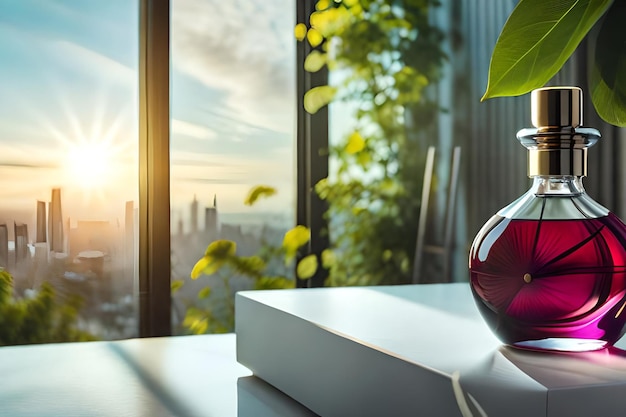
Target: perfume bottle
548 272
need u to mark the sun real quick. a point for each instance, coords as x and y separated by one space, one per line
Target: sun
89 164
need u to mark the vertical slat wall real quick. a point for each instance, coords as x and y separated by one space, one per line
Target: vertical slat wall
493 170
495 163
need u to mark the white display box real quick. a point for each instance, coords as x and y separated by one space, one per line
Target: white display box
417 350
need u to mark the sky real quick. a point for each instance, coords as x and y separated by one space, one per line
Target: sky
68 105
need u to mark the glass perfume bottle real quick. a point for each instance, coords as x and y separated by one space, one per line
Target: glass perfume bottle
548 272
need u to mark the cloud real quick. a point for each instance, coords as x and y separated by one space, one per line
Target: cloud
24 165
210 180
86 61
194 162
192 130
244 49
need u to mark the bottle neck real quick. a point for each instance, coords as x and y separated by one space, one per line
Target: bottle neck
560 185
558 151
568 161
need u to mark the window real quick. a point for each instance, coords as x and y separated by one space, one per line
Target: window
68 164
232 128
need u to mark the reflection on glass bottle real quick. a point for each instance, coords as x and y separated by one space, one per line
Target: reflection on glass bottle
548 272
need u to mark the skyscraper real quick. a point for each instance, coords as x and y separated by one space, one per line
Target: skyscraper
55 222
210 220
41 222
21 241
129 240
4 246
194 215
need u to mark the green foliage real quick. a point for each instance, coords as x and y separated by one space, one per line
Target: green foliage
307 267
216 255
259 191
221 263
608 73
540 36
43 318
536 41
176 285
294 239
318 97
386 53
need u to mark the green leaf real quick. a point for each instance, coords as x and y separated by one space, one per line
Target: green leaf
328 22
321 188
608 74
315 61
307 267
272 283
257 192
322 4
216 254
314 37
318 97
328 258
536 40
196 320
176 285
294 239
221 249
199 267
6 286
355 144
204 293
249 265
300 31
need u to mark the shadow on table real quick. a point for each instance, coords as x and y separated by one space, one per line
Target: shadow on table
565 369
257 398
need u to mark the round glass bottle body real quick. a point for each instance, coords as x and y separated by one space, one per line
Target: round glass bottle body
548 272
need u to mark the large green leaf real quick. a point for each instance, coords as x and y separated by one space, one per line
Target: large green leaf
608 74
537 39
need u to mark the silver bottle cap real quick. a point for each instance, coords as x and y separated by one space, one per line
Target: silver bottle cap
557 107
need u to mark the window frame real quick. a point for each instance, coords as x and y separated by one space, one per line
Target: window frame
311 151
154 179
154 163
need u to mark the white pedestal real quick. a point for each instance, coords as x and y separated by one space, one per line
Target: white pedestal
412 350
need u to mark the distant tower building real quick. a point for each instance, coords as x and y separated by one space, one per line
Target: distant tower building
194 215
181 228
129 240
55 222
210 220
4 246
41 222
21 241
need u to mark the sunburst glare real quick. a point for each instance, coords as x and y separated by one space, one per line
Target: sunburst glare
90 164
94 152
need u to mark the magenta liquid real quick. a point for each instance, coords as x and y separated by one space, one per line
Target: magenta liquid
552 284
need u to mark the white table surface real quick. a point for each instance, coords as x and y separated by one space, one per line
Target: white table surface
173 376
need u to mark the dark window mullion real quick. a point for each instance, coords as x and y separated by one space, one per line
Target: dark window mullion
312 151
154 188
